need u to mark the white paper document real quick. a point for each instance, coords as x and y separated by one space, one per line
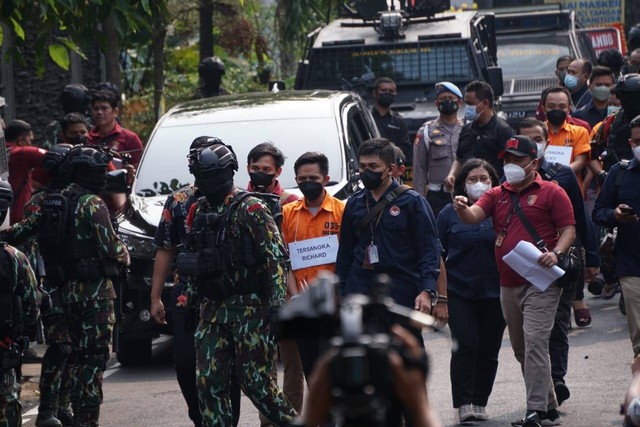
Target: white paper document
524 261
555 154
311 252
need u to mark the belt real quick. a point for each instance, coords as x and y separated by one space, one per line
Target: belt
436 187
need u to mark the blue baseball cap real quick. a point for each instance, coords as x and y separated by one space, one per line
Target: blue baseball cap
448 87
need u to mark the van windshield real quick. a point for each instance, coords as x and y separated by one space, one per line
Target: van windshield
408 63
164 166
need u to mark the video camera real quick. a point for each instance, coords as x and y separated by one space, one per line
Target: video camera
357 332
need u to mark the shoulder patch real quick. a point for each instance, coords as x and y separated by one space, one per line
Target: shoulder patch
255 207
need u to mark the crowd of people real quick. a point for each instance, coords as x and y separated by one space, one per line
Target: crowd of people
560 181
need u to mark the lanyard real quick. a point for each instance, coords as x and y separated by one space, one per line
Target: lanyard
295 234
371 227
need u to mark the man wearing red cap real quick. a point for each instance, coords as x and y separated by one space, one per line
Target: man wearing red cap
528 310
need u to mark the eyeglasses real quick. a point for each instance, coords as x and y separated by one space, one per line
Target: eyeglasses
475 179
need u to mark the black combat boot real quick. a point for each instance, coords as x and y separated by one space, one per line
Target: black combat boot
87 417
47 419
65 414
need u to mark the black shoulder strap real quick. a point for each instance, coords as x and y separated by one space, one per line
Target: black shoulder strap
553 171
382 203
6 292
523 219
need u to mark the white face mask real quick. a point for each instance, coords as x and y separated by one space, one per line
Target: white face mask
475 191
541 147
514 174
636 152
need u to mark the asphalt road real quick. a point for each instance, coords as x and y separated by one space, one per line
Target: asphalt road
599 372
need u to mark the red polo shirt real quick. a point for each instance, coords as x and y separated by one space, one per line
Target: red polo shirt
546 206
22 160
121 140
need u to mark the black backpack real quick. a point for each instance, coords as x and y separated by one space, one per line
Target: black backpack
7 282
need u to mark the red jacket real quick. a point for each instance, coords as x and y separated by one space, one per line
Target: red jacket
121 140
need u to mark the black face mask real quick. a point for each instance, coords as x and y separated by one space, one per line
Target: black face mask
447 107
370 179
77 140
556 117
261 179
216 186
311 189
386 99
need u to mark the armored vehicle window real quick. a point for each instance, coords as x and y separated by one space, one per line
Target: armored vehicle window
520 57
415 63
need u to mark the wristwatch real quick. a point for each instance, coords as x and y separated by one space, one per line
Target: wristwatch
559 254
431 293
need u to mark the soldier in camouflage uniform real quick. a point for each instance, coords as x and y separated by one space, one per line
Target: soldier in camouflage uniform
18 287
236 260
170 235
54 409
83 256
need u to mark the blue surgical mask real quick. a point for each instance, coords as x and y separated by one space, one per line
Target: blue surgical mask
570 81
470 113
612 109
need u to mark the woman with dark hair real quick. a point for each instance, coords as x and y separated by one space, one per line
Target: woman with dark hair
475 316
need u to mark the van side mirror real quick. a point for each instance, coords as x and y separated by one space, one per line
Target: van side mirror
494 78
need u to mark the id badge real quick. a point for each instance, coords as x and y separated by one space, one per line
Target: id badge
370 257
499 240
372 254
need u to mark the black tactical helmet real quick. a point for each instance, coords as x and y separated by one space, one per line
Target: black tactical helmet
211 65
629 83
212 158
75 98
87 167
6 197
53 163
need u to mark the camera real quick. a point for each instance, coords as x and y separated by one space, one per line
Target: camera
356 331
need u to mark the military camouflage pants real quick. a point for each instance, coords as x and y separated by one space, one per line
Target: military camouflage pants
251 345
90 327
54 362
10 408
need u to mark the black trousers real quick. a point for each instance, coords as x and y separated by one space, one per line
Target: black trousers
438 200
476 327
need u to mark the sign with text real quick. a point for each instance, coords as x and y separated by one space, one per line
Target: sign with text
556 154
604 39
312 252
596 13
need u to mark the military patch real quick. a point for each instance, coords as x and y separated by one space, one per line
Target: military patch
532 199
255 207
394 210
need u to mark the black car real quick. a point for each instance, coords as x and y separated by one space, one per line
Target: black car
334 123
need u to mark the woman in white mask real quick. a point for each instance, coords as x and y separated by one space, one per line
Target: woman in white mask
473 293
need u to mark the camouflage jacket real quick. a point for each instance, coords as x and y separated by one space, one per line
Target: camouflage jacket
91 222
250 217
25 286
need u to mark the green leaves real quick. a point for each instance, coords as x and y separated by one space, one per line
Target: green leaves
60 55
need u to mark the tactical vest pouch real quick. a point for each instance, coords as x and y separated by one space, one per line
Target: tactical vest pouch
187 264
86 269
55 276
10 358
53 226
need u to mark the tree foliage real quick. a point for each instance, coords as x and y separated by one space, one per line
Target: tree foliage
66 26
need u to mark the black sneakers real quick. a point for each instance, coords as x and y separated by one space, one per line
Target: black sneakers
539 419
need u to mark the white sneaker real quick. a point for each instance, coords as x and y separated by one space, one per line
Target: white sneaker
481 413
466 414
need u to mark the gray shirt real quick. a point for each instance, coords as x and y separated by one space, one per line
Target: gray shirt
433 153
